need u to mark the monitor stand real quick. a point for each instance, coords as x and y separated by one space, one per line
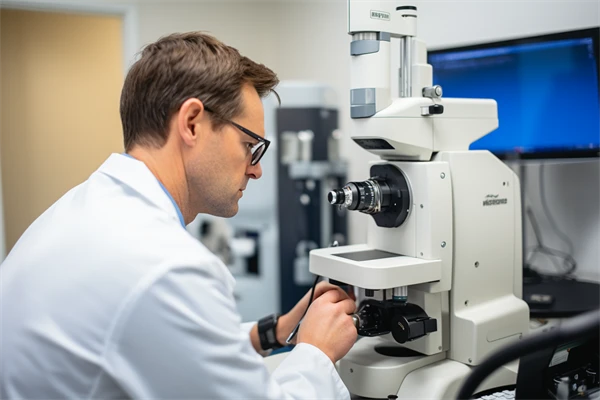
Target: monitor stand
554 298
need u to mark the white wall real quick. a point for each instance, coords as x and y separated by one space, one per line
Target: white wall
448 23
247 26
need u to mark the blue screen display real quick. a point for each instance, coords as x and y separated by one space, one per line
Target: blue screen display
547 93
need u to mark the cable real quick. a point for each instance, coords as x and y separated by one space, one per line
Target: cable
569 262
538 237
580 326
558 232
297 328
554 225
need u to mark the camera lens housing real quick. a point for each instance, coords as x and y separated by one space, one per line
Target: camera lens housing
385 196
370 196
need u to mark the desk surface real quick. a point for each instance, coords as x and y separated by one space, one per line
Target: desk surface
569 297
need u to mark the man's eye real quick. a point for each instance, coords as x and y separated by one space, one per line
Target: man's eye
250 145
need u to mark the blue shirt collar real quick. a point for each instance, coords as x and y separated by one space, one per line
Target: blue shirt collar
181 220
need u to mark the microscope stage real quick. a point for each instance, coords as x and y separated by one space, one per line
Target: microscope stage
369 268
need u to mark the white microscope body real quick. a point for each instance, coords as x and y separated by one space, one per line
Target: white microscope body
441 269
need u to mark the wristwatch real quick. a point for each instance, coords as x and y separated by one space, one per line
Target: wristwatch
267 332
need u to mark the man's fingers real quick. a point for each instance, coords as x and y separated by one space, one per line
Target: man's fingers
323 287
348 305
334 295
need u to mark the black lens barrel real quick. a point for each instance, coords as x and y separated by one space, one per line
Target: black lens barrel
385 196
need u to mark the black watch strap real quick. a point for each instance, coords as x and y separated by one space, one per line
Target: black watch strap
267 332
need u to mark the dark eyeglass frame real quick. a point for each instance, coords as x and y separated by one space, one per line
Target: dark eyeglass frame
262 142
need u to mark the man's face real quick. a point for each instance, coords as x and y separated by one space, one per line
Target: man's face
220 168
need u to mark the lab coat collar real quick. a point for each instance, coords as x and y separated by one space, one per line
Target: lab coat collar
137 176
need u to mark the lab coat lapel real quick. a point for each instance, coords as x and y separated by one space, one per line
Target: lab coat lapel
137 176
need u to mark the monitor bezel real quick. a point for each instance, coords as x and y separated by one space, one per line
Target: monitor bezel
593 32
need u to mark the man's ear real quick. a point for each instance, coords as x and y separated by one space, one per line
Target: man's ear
191 120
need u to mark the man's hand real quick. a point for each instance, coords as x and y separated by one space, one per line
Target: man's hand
288 322
328 325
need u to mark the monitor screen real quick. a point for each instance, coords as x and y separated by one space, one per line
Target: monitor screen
546 88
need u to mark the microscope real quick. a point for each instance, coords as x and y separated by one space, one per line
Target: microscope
439 280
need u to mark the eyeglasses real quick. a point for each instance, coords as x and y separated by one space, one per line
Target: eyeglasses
259 149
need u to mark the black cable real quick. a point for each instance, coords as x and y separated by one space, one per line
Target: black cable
553 223
534 225
312 295
583 325
538 237
558 232
568 261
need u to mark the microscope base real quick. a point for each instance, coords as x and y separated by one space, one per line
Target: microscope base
368 373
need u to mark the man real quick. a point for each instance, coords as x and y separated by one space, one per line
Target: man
107 296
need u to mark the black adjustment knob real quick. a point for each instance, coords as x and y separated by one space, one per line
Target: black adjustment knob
432 110
404 329
592 376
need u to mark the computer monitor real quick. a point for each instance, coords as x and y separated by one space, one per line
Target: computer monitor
547 89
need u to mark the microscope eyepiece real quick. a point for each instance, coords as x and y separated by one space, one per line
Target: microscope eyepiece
336 196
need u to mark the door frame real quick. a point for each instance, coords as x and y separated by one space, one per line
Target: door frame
130 46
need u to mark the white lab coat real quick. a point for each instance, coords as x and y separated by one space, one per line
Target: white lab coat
107 296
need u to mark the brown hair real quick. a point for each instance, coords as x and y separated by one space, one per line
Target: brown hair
182 66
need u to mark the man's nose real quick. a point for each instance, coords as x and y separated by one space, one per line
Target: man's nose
254 171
